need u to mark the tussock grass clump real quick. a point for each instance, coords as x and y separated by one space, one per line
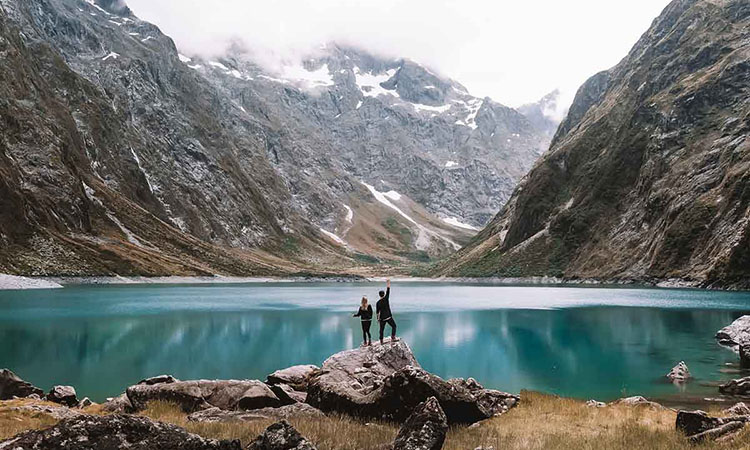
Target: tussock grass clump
13 421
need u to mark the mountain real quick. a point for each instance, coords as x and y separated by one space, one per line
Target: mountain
648 177
119 155
545 113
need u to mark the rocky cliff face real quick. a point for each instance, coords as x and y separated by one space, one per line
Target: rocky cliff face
648 177
119 155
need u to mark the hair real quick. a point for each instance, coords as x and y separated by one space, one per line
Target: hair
382 294
363 305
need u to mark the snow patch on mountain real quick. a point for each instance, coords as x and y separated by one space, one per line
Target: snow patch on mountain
370 84
334 237
457 223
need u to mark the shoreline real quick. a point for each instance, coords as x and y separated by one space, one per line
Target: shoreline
13 282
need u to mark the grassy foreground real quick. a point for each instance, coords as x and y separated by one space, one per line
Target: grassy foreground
539 422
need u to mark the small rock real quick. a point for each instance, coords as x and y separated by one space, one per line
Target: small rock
636 400
281 436
739 409
425 429
120 404
85 403
296 376
13 386
595 404
64 395
202 394
744 351
679 373
159 379
288 395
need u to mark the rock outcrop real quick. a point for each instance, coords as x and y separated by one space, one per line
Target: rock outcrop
646 179
386 382
679 373
64 395
114 432
11 385
281 436
425 429
636 400
202 394
297 410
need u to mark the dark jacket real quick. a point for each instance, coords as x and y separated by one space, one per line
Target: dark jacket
365 314
383 307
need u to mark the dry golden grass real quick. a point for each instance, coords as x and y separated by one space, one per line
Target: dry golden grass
540 422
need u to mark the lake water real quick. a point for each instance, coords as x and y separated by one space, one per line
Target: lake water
583 342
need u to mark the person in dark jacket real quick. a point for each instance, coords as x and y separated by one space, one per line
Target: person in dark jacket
383 308
365 315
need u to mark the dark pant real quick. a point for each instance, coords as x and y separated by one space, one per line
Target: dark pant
366 330
390 322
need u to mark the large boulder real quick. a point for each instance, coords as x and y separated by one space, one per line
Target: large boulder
425 429
281 436
217 415
679 373
63 395
739 386
296 376
735 334
114 432
385 382
13 386
202 394
699 426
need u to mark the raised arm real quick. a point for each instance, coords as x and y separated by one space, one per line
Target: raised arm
387 289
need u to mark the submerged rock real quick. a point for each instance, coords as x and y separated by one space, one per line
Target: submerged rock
679 373
739 386
64 395
296 410
281 436
202 394
386 382
11 385
114 432
425 429
296 376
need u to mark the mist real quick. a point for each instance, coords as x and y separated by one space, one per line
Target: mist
515 52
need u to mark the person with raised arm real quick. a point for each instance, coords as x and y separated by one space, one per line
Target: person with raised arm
365 314
383 310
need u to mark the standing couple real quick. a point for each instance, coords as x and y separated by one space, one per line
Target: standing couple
384 316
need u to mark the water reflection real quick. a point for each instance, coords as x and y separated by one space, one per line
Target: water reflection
597 352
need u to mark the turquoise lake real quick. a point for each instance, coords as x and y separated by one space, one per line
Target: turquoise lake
583 342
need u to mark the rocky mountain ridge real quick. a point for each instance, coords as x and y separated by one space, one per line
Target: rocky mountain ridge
647 177
121 156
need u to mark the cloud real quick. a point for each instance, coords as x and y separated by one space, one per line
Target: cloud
512 51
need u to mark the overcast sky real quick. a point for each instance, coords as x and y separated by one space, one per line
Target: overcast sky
514 51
